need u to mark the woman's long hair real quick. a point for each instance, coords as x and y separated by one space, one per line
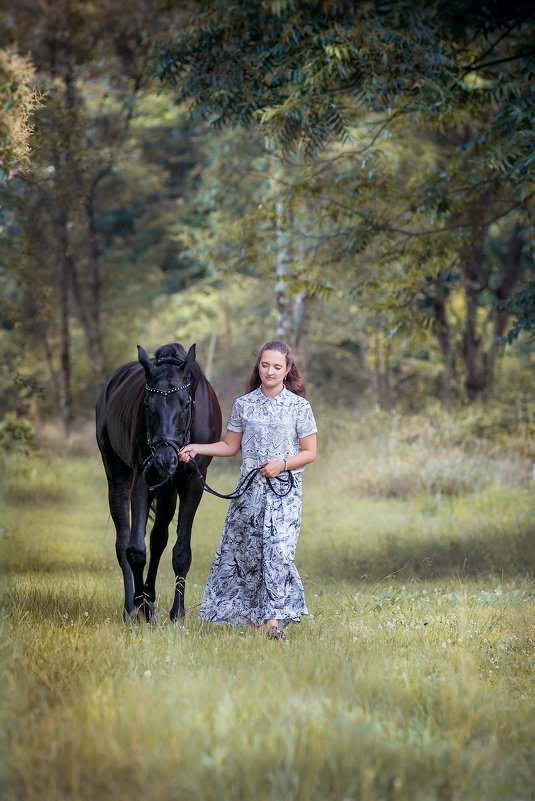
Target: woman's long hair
294 380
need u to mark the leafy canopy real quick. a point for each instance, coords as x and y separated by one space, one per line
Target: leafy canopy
304 70
381 78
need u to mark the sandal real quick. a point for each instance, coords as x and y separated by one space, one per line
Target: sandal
274 633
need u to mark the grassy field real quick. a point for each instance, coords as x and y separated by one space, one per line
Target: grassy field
411 679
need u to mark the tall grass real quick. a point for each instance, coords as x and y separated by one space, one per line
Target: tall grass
411 678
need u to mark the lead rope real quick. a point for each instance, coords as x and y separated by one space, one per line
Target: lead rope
244 483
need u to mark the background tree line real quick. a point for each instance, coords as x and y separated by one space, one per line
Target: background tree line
354 177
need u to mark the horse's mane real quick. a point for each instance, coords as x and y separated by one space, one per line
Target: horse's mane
125 388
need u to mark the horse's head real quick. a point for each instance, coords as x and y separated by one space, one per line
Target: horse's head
168 405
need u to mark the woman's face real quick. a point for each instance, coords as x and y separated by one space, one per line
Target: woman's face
272 369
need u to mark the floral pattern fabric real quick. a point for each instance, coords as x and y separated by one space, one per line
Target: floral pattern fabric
253 576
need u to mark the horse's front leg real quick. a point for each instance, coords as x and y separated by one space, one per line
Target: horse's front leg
136 551
165 509
119 501
190 495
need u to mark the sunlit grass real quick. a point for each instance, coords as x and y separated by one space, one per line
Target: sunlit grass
411 679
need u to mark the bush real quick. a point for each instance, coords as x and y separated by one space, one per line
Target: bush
391 455
16 433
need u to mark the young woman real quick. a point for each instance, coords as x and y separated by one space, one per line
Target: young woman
254 579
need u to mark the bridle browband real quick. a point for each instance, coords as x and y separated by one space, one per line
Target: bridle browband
167 391
159 441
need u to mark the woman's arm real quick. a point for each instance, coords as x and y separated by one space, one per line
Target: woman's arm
306 455
229 446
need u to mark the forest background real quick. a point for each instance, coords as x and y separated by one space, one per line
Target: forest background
354 178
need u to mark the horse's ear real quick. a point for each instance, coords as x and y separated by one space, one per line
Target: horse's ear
190 359
144 360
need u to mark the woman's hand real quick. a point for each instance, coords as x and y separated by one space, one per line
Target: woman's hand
187 452
271 468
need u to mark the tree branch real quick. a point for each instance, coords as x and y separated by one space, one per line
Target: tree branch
499 61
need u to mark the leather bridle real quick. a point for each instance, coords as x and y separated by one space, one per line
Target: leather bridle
159 441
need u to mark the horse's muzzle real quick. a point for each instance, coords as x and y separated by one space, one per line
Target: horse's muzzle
165 461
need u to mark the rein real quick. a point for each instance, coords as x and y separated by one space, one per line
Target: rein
244 483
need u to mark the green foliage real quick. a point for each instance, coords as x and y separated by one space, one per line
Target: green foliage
295 65
436 455
432 108
18 100
522 307
16 433
373 152
88 241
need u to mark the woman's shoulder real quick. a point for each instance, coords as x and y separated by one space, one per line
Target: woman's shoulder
248 397
298 400
243 407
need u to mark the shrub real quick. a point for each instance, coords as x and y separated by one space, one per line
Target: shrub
16 433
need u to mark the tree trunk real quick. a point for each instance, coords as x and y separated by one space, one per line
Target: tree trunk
62 159
301 329
473 277
474 378
86 302
512 272
444 341
65 354
382 370
93 312
283 303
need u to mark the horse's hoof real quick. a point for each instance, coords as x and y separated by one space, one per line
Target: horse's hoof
147 619
145 613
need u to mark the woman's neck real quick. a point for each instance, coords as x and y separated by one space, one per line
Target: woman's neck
271 392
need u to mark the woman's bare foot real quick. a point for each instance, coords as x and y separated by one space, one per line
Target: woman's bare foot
255 628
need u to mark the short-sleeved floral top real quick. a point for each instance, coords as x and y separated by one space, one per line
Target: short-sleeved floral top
271 427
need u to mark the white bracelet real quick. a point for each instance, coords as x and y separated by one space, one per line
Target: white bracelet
285 464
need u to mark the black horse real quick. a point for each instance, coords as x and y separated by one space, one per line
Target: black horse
146 412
